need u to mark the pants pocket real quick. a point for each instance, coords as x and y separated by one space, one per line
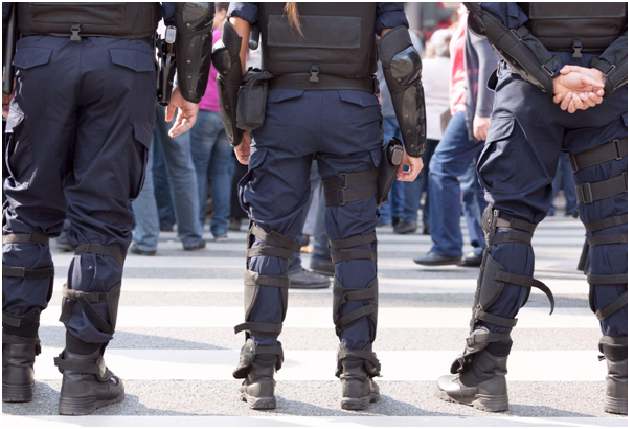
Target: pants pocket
497 165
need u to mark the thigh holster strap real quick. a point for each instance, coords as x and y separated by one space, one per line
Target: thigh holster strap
100 250
32 238
338 194
612 151
515 223
38 273
511 237
86 299
603 240
589 192
607 222
16 322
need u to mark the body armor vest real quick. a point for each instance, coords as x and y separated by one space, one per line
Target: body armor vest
121 20
338 44
578 27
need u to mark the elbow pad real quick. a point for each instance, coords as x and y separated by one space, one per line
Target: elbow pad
193 48
402 68
519 48
226 61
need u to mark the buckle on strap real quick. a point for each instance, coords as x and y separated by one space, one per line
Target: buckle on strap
75 29
584 193
314 73
577 48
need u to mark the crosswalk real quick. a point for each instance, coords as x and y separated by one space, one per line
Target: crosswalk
175 348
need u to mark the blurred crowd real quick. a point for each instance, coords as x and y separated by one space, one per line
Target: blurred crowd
191 181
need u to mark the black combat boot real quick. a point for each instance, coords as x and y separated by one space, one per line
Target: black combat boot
616 400
257 367
87 383
18 357
483 386
356 369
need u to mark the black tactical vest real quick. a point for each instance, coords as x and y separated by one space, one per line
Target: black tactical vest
122 20
338 42
586 27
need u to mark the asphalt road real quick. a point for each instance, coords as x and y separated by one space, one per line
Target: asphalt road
175 348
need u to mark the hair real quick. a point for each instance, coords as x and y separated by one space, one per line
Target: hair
293 17
222 6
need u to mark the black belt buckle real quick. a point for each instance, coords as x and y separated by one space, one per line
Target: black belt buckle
573 163
577 48
314 71
587 194
75 29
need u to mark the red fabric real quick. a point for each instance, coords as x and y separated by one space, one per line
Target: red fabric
457 88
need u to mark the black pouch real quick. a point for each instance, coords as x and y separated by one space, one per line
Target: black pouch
388 169
251 107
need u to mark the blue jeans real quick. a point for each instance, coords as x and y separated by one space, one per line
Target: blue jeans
473 205
452 158
165 208
182 178
211 150
564 180
394 206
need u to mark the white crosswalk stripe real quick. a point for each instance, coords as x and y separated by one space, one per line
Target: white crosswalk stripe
176 349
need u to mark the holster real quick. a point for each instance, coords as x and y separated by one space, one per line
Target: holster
251 107
391 162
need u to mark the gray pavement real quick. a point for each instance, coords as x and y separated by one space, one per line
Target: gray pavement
212 277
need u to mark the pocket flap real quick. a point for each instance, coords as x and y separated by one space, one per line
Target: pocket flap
26 58
143 133
361 98
257 157
135 60
501 128
279 95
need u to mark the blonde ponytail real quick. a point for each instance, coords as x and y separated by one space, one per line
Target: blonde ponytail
293 17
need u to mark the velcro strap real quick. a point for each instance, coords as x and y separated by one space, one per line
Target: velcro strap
340 198
264 328
269 350
85 299
515 223
502 276
602 240
589 192
77 295
80 368
350 255
251 277
275 239
22 272
486 338
100 250
356 294
353 241
278 252
355 315
611 308
614 340
607 222
14 339
607 279
32 238
343 181
495 320
612 151
362 354
519 237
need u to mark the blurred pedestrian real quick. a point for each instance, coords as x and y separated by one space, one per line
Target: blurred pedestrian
564 181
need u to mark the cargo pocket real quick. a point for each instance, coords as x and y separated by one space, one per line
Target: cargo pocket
28 58
132 59
497 165
17 151
129 178
256 159
359 107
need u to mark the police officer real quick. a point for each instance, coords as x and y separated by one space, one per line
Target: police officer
320 61
78 134
577 57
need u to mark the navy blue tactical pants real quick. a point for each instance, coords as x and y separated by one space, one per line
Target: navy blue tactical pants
78 136
342 129
516 169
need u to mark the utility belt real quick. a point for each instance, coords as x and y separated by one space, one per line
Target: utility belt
314 81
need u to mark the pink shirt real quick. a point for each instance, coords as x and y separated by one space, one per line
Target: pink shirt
210 99
457 86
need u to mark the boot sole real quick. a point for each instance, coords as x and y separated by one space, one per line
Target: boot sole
453 261
488 403
616 405
84 406
263 403
358 404
17 394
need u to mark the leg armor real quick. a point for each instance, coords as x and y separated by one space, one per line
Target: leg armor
498 229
